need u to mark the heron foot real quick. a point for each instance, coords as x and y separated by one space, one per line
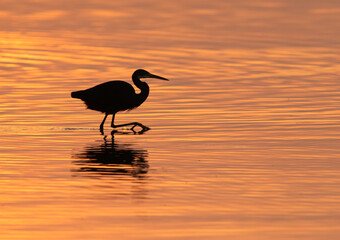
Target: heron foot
144 128
133 124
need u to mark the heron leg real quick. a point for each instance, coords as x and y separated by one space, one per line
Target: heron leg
113 120
101 127
133 124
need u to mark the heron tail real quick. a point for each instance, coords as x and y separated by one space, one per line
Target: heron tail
78 94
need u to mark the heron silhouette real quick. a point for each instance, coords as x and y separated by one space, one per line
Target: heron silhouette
115 96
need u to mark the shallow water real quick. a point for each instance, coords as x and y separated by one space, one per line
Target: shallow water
243 141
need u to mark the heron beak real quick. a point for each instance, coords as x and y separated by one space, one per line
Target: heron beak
158 77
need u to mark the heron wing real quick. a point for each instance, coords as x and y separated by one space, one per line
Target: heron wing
110 97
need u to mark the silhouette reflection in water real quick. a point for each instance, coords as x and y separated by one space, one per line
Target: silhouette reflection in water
111 158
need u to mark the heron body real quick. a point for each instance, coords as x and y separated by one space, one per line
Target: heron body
112 97
115 96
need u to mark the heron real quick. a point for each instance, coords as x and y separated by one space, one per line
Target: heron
115 96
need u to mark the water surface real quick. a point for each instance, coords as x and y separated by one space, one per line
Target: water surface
243 141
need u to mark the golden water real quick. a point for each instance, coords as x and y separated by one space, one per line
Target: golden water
244 140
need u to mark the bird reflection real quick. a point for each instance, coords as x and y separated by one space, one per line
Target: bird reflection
111 158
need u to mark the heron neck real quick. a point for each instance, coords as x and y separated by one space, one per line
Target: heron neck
144 89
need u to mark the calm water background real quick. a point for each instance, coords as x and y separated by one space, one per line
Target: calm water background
244 140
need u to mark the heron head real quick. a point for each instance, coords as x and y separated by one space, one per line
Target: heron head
141 73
